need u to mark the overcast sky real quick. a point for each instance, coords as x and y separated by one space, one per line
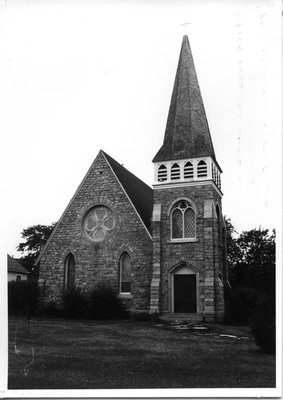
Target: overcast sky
80 76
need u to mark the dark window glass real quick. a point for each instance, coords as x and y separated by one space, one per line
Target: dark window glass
177 224
125 274
70 266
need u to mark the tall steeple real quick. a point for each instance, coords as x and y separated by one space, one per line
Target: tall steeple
187 133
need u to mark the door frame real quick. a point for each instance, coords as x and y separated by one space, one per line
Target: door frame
181 269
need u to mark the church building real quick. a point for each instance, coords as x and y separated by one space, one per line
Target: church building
163 249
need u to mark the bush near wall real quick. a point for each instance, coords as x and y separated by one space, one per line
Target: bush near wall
101 303
239 304
75 304
263 324
22 297
105 304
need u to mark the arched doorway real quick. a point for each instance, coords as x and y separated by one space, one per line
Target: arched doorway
184 289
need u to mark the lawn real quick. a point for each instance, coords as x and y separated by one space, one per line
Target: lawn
73 354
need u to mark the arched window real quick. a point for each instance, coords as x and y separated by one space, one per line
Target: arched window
125 273
162 173
183 221
69 273
175 172
218 222
218 180
202 169
188 170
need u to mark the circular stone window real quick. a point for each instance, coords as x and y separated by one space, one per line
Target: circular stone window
98 223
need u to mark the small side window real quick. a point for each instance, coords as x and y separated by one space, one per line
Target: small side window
125 274
69 274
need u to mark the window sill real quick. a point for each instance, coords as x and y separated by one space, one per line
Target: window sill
183 241
125 296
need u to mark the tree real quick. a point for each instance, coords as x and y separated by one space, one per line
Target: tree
35 237
257 248
251 261
232 247
251 258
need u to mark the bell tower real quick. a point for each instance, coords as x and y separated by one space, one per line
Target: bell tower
189 267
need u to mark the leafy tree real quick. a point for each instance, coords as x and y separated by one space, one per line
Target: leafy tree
263 324
232 247
251 258
251 263
35 238
257 248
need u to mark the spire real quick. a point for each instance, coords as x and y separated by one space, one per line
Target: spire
187 133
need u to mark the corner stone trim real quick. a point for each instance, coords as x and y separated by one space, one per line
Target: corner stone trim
156 216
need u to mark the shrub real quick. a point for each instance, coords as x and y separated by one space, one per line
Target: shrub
263 324
239 305
74 303
104 303
49 310
22 297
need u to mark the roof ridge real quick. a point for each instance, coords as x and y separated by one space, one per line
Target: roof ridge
122 166
138 192
15 266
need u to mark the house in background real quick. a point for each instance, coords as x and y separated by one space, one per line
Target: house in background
16 272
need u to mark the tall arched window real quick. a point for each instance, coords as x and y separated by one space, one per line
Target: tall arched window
218 180
188 170
125 273
213 172
202 169
175 172
183 221
69 273
162 173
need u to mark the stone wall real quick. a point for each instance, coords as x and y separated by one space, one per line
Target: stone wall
203 254
97 262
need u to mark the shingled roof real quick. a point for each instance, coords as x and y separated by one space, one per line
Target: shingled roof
15 266
187 133
140 194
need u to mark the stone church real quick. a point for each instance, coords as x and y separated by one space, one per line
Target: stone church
163 249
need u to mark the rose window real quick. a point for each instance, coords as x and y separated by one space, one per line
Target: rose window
98 223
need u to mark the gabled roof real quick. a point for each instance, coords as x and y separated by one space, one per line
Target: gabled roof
140 194
187 133
15 266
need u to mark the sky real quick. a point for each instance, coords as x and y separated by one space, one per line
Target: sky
80 76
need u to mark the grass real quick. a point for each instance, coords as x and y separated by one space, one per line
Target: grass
72 354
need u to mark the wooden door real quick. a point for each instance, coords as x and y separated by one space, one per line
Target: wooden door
185 294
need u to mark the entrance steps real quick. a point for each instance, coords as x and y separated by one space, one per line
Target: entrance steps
188 322
178 317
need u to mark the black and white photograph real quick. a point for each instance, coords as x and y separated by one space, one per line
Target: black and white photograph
141 160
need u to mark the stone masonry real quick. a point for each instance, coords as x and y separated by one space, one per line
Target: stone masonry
96 262
202 255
